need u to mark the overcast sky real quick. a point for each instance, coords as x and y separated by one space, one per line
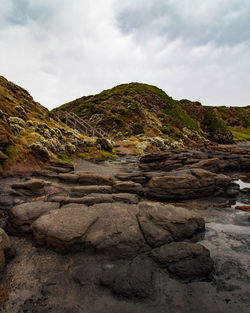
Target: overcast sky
60 50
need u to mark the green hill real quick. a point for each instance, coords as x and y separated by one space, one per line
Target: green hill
135 108
26 128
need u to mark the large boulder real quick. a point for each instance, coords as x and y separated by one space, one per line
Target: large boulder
161 223
111 228
4 248
190 183
62 228
23 215
115 229
187 260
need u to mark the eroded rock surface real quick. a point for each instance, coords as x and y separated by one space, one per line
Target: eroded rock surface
191 183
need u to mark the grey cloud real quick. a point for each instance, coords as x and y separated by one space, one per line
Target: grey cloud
166 19
24 11
63 49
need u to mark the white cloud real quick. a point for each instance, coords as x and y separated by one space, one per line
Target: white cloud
60 49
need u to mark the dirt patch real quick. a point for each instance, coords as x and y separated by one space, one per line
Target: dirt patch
29 164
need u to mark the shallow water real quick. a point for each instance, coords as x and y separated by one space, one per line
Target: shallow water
242 184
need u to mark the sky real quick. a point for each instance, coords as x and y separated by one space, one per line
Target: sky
60 50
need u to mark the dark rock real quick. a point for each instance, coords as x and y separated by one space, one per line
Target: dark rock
134 279
80 191
30 187
233 190
187 260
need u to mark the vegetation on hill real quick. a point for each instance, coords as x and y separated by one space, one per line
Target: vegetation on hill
141 115
27 128
135 108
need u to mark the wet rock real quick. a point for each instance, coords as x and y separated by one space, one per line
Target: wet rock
132 279
190 183
94 179
23 215
187 260
162 223
80 191
4 248
126 186
30 187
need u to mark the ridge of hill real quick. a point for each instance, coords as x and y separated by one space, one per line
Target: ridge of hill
135 108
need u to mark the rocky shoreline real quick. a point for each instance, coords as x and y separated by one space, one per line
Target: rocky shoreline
155 235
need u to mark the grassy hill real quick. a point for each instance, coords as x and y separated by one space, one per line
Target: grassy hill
135 108
27 129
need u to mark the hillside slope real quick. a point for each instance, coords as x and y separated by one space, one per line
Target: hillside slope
135 108
26 129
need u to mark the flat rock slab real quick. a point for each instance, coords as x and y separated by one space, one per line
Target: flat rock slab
128 186
191 183
187 260
94 179
90 199
80 191
22 215
68 178
125 197
58 169
62 164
